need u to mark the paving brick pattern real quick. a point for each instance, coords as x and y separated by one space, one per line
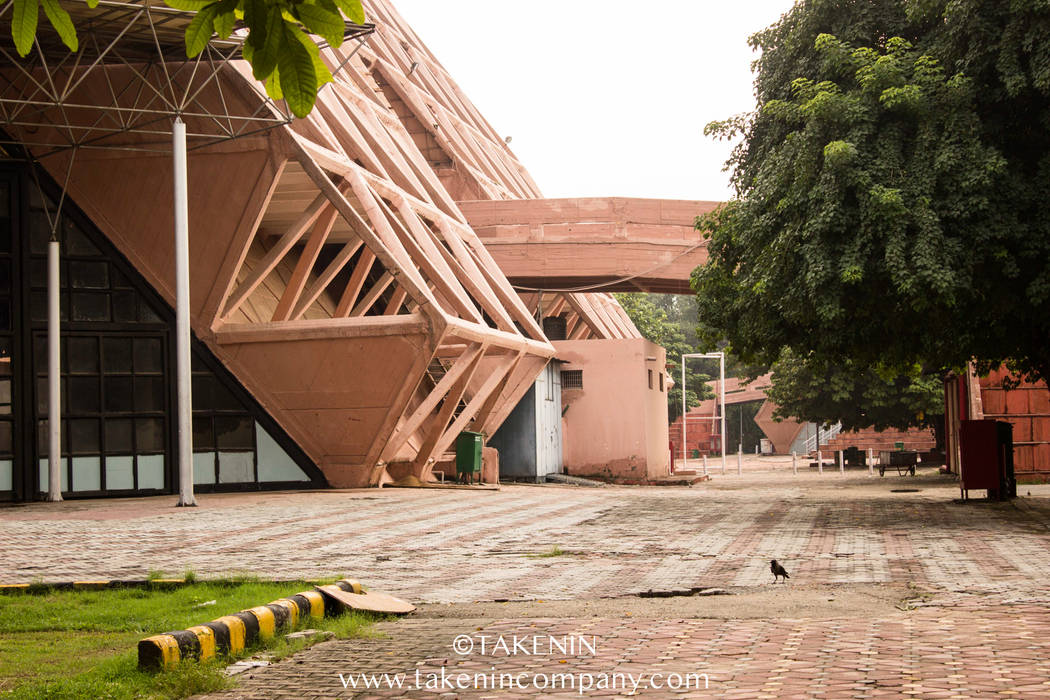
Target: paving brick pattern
462 546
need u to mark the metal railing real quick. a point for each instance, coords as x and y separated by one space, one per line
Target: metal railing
825 436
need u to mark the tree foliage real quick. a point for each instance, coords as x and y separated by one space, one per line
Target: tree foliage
809 389
278 44
652 315
890 190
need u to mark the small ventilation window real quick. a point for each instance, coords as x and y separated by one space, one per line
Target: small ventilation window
650 379
572 379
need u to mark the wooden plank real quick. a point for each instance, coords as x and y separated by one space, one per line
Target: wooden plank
325 278
322 228
436 425
357 281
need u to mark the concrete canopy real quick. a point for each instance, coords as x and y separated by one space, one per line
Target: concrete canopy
333 274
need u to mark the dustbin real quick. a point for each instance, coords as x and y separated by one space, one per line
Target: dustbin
696 454
468 454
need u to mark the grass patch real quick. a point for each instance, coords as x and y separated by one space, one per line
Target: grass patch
82 644
555 551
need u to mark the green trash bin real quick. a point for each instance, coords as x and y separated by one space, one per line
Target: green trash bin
696 454
468 455
899 446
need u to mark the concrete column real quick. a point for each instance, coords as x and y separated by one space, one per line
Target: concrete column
182 318
54 376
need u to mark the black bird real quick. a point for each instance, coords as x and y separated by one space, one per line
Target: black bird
778 571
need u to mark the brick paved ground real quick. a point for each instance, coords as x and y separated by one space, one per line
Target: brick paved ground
984 570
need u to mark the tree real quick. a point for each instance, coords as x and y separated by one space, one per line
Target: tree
277 46
648 315
890 190
809 389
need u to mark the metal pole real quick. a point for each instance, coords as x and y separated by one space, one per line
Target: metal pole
739 461
722 391
842 466
820 462
705 462
182 317
871 463
794 462
54 376
685 454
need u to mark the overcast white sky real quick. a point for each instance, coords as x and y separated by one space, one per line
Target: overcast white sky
604 97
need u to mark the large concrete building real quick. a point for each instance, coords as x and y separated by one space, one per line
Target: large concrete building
348 320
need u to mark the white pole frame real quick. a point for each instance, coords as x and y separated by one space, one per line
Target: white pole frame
182 317
54 376
721 412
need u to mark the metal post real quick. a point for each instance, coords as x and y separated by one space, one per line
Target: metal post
54 377
871 463
722 391
705 463
739 461
820 462
182 317
842 465
794 462
685 447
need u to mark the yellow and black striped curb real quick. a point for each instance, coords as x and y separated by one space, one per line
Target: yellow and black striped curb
232 634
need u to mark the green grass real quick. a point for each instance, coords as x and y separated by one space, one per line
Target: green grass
555 551
82 644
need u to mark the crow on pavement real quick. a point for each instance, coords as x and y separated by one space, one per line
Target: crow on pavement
778 571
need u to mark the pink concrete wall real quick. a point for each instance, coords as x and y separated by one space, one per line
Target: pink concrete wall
615 427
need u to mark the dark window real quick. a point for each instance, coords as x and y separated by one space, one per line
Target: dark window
118 436
650 379
572 379
661 381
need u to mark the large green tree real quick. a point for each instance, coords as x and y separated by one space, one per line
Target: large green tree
649 313
278 44
890 190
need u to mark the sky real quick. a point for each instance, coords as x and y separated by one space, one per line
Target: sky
604 97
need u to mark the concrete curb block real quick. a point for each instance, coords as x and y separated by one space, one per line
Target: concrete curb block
231 634
165 583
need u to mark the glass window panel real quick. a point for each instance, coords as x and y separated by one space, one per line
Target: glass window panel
6 438
90 307
83 394
118 394
151 472
87 473
222 399
146 314
84 436
38 306
81 355
39 232
125 309
7 471
204 467
118 436
5 276
118 280
274 462
40 350
202 392
42 394
85 274
116 355
43 475
149 393
149 435
5 395
5 198
120 473
38 273
236 467
5 314
203 437
148 356
77 244
234 432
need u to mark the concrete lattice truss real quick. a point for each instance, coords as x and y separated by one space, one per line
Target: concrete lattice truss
333 272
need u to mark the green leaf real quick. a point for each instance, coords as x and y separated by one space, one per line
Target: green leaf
23 25
266 38
321 22
225 18
92 4
199 31
62 23
273 85
353 10
298 76
187 5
